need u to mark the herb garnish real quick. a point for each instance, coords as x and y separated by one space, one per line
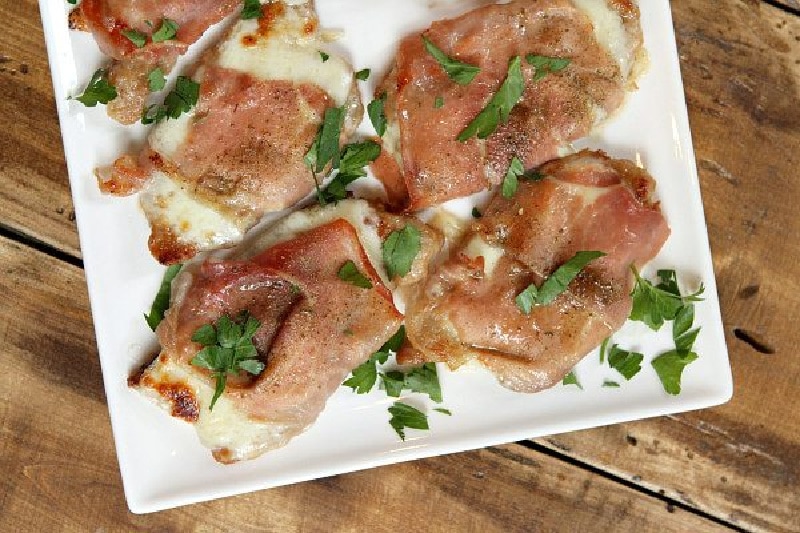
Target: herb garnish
511 181
349 272
353 159
377 115
161 301
325 148
571 379
625 362
607 383
438 103
556 283
476 213
98 91
324 56
669 367
228 349
545 65
138 38
363 74
400 249
458 71
180 100
365 376
166 32
499 107
654 305
156 79
252 10
404 416
424 379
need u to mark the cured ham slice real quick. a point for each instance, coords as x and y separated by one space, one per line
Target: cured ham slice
110 20
467 311
426 110
315 327
213 172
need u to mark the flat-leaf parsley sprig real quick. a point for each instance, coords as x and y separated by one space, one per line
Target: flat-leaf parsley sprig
227 349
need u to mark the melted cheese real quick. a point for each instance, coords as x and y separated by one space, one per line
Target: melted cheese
165 201
226 427
288 53
477 247
168 135
609 32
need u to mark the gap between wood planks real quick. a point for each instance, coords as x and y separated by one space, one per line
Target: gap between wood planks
671 503
792 9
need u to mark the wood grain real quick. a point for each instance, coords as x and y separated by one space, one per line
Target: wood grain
35 197
60 471
741 67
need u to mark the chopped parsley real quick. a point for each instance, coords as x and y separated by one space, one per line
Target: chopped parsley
166 32
324 56
365 376
375 110
251 10
400 249
654 305
423 379
571 379
511 181
227 349
625 362
325 148
458 71
404 416
161 301
156 79
557 283
443 411
669 367
349 272
180 100
138 38
609 384
604 348
476 213
98 91
499 107
353 160
545 65
363 74
438 103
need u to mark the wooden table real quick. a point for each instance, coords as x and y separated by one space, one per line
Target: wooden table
733 467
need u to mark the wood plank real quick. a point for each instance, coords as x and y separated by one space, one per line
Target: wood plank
740 462
35 197
61 473
791 4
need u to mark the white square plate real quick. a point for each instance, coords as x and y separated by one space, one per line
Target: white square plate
162 463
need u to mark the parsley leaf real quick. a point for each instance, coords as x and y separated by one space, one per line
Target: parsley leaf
458 71
375 110
499 107
167 31
400 249
349 272
324 56
545 65
393 383
654 305
138 38
626 363
227 349
352 162
571 379
443 411
180 100
325 148
607 383
556 283
669 367
404 416
510 182
365 375
363 74
438 103
603 348
252 10
156 79
98 91
425 379
161 301
682 333
476 213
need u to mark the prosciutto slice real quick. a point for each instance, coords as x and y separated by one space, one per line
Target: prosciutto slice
213 172
108 20
315 327
467 311
427 111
